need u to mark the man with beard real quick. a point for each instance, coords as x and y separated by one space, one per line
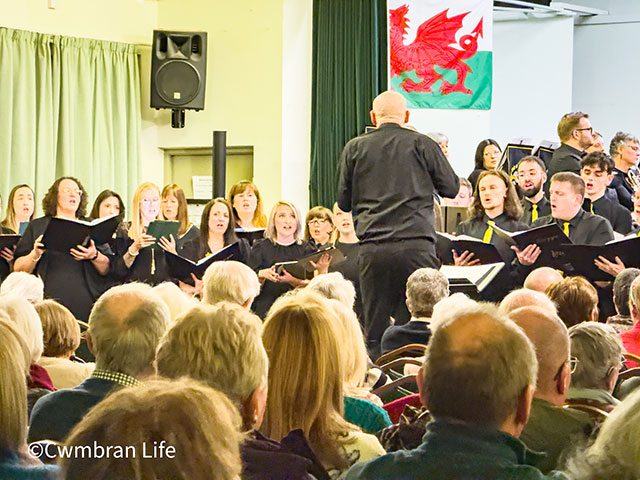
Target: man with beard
576 134
531 176
597 173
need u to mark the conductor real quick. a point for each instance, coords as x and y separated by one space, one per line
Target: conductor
387 178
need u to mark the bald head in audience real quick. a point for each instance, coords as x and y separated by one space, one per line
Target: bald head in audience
525 298
389 107
541 278
551 341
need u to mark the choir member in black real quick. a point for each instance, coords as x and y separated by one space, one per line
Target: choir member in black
531 176
282 243
597 172
635 215
21 208
247 209
217 230
488 154
347 243
625 151
72 278
136 259
319 228
464 198
108 203
6 254
174 207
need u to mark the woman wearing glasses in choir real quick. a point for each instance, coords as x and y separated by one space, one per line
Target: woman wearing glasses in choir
319 228
174 207
247 210
72 278
487 157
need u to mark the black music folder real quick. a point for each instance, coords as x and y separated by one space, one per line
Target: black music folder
303 269
579 259
485 252
547 237
471 280
163 228
63 234
182 268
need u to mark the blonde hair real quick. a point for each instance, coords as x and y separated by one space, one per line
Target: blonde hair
61 330
24 316
183 212
10 220
259 218
229 281
135 230
322 213
14 367
200 423
219 345
175 299
306 375
271 233
125 326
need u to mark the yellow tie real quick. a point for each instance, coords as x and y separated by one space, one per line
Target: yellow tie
534 212
488 233
591 206
566 228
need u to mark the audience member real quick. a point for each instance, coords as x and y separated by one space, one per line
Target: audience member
220 345
487 156
306 382
61 340
523 297
615 453
333 285
542 278
625 151
15 459
425 288
576 300
181 430
230 281
23 285
598 350
175 299
631 338
622 320
474 429
531 176
551 429
125 326
576 134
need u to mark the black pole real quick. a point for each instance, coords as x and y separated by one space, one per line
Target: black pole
219 163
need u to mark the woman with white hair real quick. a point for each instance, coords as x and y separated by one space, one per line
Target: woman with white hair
24 285
230 281
176 300
15 460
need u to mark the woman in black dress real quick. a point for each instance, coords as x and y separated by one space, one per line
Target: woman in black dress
282 244
74 278
487 157
174 207
319 228
21 207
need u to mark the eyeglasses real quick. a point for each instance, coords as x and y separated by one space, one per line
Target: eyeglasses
71 190
573 364
491 154
586 128
317 221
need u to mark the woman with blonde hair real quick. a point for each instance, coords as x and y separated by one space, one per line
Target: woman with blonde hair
247 206
15 459
21 207
319 228
174 207
178 429
306 382
61 340
282 244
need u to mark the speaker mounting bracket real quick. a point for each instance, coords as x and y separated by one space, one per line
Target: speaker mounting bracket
177 117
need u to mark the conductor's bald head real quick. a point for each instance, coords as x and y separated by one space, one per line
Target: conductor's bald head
389 107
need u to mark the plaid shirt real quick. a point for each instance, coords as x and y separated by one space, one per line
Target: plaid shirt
117 377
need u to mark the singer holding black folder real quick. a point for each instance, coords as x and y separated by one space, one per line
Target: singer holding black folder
70 278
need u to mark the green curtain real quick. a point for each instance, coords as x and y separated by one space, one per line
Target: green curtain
70 106
349 70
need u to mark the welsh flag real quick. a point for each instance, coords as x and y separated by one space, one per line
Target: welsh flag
440 52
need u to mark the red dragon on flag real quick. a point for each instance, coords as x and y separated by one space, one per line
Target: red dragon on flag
417 66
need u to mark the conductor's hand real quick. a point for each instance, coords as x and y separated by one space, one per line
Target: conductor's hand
322 265
465 259
143 241
608 266
84 253
7 254
268 274
38 249
529 255
169 244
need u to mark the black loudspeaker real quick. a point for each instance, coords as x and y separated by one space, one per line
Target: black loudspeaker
178 70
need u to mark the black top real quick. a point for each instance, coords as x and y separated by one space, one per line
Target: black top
623 188
543 207
191 235
618 216
564 159
75 284
388 177
264 254
195 251
584 229
349 270
5 269
149 266
415 331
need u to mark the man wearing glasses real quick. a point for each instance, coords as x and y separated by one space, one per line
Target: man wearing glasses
551 428
624 151
576 134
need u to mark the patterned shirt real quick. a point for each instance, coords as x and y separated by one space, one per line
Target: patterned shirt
117 377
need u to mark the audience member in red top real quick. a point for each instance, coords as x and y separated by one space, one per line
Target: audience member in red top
631 338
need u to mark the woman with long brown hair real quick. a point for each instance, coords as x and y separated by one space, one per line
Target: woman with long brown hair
174 207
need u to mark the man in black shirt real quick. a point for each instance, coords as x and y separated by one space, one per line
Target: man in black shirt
597 173
576 134
387 178
625 150
585 228
531 175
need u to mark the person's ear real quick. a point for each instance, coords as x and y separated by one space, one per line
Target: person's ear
372 115
87 337
562 385
609 179
524 405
